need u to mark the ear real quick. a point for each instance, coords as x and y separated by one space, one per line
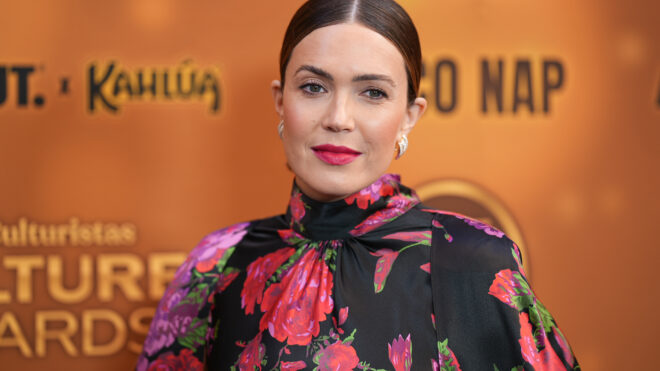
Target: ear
276 90
414 112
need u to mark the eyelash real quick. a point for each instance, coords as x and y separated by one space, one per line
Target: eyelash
307 85
305 90
382 93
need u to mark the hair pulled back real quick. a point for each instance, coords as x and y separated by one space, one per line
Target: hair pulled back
383 16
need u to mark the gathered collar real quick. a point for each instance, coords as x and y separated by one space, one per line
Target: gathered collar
379 203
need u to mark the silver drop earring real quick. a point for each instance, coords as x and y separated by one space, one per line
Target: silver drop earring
402 146
280 128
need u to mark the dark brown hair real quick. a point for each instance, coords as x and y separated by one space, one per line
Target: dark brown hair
383 16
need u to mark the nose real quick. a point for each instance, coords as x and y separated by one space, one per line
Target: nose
338 117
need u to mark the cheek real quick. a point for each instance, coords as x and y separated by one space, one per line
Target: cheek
381 131
296 126
299 118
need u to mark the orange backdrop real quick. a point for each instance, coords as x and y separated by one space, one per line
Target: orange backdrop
129 129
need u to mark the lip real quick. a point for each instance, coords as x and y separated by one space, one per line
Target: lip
335 155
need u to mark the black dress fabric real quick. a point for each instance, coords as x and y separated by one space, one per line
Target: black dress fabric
375 281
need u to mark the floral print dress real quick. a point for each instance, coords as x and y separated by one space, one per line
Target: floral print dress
375 281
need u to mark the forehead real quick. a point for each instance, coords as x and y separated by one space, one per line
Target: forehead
348 48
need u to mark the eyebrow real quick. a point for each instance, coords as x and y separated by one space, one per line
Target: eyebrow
363 77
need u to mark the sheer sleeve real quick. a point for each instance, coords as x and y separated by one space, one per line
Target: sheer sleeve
183 325
542 344
479 279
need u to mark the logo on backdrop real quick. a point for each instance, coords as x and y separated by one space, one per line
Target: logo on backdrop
505 85
98 303
15 80
109 85
469 199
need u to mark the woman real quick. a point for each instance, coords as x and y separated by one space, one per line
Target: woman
357 273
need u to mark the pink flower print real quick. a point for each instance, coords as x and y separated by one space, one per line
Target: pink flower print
421 237
212 248
184 361
383 267
294 307
546 359
251 357
381 187
517 256
343 315
426 267
446 358
396 205
297 207
337 357
375 220
400 353
437 224
509 285
489 229
207 265
258 272
225 237
293 366
290 236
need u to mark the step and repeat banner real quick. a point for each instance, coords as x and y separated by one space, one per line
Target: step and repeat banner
130 129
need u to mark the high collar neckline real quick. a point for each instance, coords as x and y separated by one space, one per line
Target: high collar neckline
379 203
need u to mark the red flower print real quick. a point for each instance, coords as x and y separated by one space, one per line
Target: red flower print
545 360
224 279
437 224
294 306
400 353
509 284
423 237
258 272
337 357
381 187
290 236
446 358
426 267
343 315
517 256
478 224
213 247
297 207
293 366
396 205
383 267
183 362
489 229
250 358
208 264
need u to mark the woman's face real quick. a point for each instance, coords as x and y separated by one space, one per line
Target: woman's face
344 106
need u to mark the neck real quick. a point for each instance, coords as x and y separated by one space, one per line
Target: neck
352 215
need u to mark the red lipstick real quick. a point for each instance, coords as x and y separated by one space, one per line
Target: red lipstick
335 155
